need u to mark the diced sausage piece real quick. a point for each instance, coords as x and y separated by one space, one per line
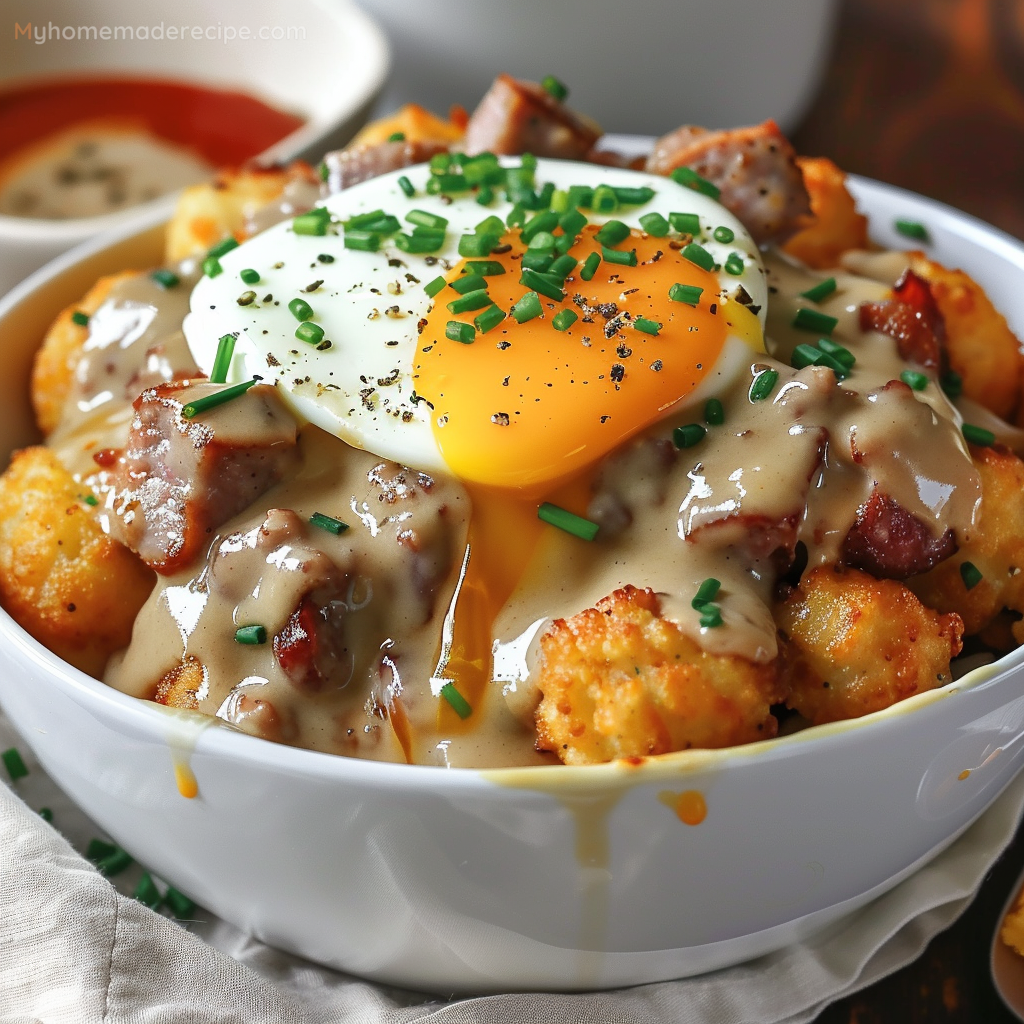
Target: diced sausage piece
912 319
348 167
755 168
522 117
180 479
311 648
890 543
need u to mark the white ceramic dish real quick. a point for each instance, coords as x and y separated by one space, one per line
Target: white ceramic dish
329 67
555 878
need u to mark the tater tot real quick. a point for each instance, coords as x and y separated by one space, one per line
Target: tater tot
55 362
620 681
856 644
61 577
414 122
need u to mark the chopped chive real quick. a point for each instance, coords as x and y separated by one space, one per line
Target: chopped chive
604 199
714 412
516 216
559 201
706 592
978 435
484 268
545 196
80 318
806 355
543 240
554 88
723 234
699 256
567 521
323 171
249 276
539 222
396 137
734 264
527 308
840 369
14 764
467 303
147 892
456 330
970 574
685 223
166 278
46 814
328 523
407 186
912 229
538 282
838 352
590 265
952 384
688 293
98 849
572 222
91 500
433 287
811 320
115 863
641 323
535 259
313 222
427 220
469 283
613 232
485 196
440 162
763 385
443 183
179 904
478 245
360 221
222 361
201 405
489 319
691 179
710 616
212 267
386 225
420 241
300 309
251 636
623 257
913 379
822 290
688 435
458 703
563 320
581 196
362 241
490 226
563 266
223 247
654 224
631 196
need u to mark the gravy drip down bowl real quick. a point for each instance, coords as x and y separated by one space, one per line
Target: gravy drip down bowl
542 877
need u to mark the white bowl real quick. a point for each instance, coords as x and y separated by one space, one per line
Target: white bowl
330 72
547 877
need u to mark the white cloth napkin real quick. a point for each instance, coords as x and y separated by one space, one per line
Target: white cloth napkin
75 948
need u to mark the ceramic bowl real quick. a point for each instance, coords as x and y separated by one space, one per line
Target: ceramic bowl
329 68
545 877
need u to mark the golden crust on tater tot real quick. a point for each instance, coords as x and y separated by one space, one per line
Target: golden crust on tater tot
180 687
995 548
856 644
207 213
619 680
61 577
416 123
837 225
55 362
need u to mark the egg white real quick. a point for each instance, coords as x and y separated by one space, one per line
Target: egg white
362 388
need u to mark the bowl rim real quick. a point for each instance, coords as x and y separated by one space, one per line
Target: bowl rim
209 736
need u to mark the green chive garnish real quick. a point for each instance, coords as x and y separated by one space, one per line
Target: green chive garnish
314 222
763 385
323 171
567 521
811 320
543 240
179 904
952 384
251 636
46 814
688 293
912 229
710 616
467 303
328 523
396 137
311 334
385 225
613 232
688 435
406 186
629 196
699 256
98 850
362 241
978 435
691 179
734 264
91 500
572 222
223 247
539 222
201 405
222 361
147 892
249 276
604 199
915 380
527 308
581 196
685 223
838 352
623 257
490 226
489 319
14 764
517 215
554 88
536 259
212 267
970 574
478 245
420 241
444 183
714 412
458 703
723 234
440 162
433 287
805 355
641 323
426 219
563 266
165 278
456 330
484 268
301 309
590 265
822 290
706 592
540 283
80 318
563 320
467 284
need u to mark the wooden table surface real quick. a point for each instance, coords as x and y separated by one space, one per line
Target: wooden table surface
929 95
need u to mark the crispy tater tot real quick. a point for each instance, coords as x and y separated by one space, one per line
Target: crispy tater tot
207 213
61 577
56 359
180 687
857 644
416 123
837 224
995 549
620 681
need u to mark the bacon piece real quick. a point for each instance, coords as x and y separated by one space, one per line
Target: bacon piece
522 117
890 543
348 167
912 319
755 168
179 479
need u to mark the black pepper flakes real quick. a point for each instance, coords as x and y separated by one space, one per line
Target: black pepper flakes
501 419
657 365
618 371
